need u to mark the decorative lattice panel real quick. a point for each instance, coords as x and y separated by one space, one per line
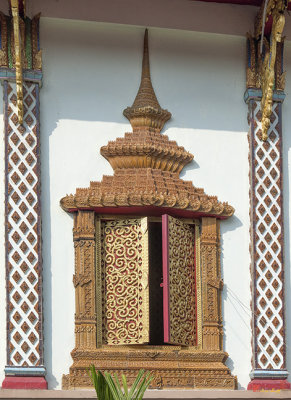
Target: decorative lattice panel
23 242
124 265
267 240
179 273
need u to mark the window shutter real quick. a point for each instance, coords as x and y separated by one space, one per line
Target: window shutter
179 282
125 291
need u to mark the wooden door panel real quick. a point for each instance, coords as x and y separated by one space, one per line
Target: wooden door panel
179 282
125 291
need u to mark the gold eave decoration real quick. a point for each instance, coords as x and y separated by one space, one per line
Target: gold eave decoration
146 165
270 9
18 58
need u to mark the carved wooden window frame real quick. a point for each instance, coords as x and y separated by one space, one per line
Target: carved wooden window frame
146 180
197 271
185 371
87 234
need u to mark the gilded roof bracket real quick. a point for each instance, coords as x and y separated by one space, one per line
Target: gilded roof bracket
273 9
18 58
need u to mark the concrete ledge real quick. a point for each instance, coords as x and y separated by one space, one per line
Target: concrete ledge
150 394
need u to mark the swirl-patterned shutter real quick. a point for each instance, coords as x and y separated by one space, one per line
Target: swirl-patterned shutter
179 282
125 289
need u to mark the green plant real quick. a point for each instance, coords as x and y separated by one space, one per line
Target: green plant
108 388
101 386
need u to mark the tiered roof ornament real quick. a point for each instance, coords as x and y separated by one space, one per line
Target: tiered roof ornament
146 110
146 165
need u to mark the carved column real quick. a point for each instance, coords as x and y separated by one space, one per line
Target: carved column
264 96
84 280
25 364
211 285
267 251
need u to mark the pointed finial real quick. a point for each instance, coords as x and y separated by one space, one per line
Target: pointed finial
146 60
146 110
146 95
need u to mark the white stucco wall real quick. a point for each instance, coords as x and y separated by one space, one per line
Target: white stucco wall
91 73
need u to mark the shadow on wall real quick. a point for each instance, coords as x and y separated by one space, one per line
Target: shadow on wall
91 73
241 310
190 167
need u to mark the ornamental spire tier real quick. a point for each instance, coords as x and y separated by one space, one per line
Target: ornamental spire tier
146 110
146 165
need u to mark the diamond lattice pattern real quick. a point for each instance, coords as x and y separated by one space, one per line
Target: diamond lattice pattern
268 243
22 225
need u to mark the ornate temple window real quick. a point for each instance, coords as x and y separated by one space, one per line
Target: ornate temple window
147 262
148 280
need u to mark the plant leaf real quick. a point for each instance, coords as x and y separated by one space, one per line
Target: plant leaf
118 387
143 386
112 386
135 384
101 386
95 378
125 387
109 388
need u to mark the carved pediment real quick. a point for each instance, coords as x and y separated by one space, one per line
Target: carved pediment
146 165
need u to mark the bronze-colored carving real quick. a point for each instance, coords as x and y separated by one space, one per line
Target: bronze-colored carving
146 173
19 54
198 287
253 77
36 52
146 149
265 61
4 41
145 187
267 9
146 165
200 366
182 283
268 73
31 55
146 110
18 58
172 367
125 281
211 285
84 280
99 334
279 73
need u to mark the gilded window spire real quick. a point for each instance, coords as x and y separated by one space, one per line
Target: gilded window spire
146 110
146 96
146 164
